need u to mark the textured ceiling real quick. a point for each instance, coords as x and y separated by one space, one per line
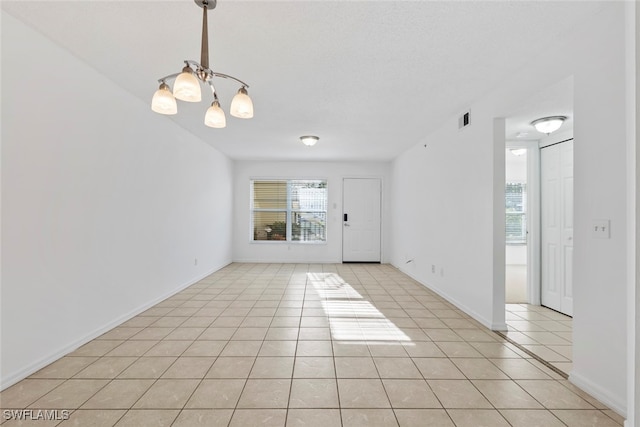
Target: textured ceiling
369 77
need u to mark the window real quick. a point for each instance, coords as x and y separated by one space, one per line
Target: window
516 213
289 210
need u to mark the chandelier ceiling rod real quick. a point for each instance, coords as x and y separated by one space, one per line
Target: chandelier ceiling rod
187 83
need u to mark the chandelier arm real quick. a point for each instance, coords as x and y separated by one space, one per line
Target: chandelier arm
226 76
213 90
170 76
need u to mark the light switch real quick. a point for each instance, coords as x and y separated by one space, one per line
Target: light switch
601 229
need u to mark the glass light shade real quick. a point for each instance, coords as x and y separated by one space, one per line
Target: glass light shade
163 101
241 105
187 86
548 125
518 151
309 140
215 116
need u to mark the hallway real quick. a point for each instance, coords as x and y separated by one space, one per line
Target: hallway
304 345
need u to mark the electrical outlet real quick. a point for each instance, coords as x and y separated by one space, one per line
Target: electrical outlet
433 269
195 262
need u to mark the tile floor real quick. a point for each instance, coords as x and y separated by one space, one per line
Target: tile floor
303 345
545 332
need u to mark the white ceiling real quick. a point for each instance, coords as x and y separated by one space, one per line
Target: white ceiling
369 77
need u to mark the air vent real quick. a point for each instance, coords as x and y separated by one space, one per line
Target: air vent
464 120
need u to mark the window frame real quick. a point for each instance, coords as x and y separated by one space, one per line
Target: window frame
523 213
289 211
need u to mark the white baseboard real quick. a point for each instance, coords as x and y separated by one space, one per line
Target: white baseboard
11 379
616 403
475 315
286 261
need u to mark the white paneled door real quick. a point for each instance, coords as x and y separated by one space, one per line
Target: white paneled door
556 174
361 220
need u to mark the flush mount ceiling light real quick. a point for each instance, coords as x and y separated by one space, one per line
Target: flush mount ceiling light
309 140
187 84
518 151
548 125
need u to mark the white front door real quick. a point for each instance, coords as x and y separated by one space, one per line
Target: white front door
361 220
556 174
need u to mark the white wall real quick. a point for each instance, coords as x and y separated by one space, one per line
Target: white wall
105 205
454 216
246 251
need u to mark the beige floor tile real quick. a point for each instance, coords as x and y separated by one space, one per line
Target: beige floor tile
458 349
423 417
231 367
368 418
189 367
148 417
93 418
505 394
314 367
217 334
132 348
183 333
272 367
442 334
458 394
477 418
531 418
553 395
285 322
545 353
350 349
148 367
205 348
22 394
70 395
362 393
438 368
314 334
518 369
152 333
594 418
265 393
387 349
249 334
106 367
355 367
168 322
410 394
118 394
314 393
314 418
167 394
494 350
96 348
64 368
480 369
314 349
203 417
278 348
423 349
396 367
216 394
259 418
168 348
241 348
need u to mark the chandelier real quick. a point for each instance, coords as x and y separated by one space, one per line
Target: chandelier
187 84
